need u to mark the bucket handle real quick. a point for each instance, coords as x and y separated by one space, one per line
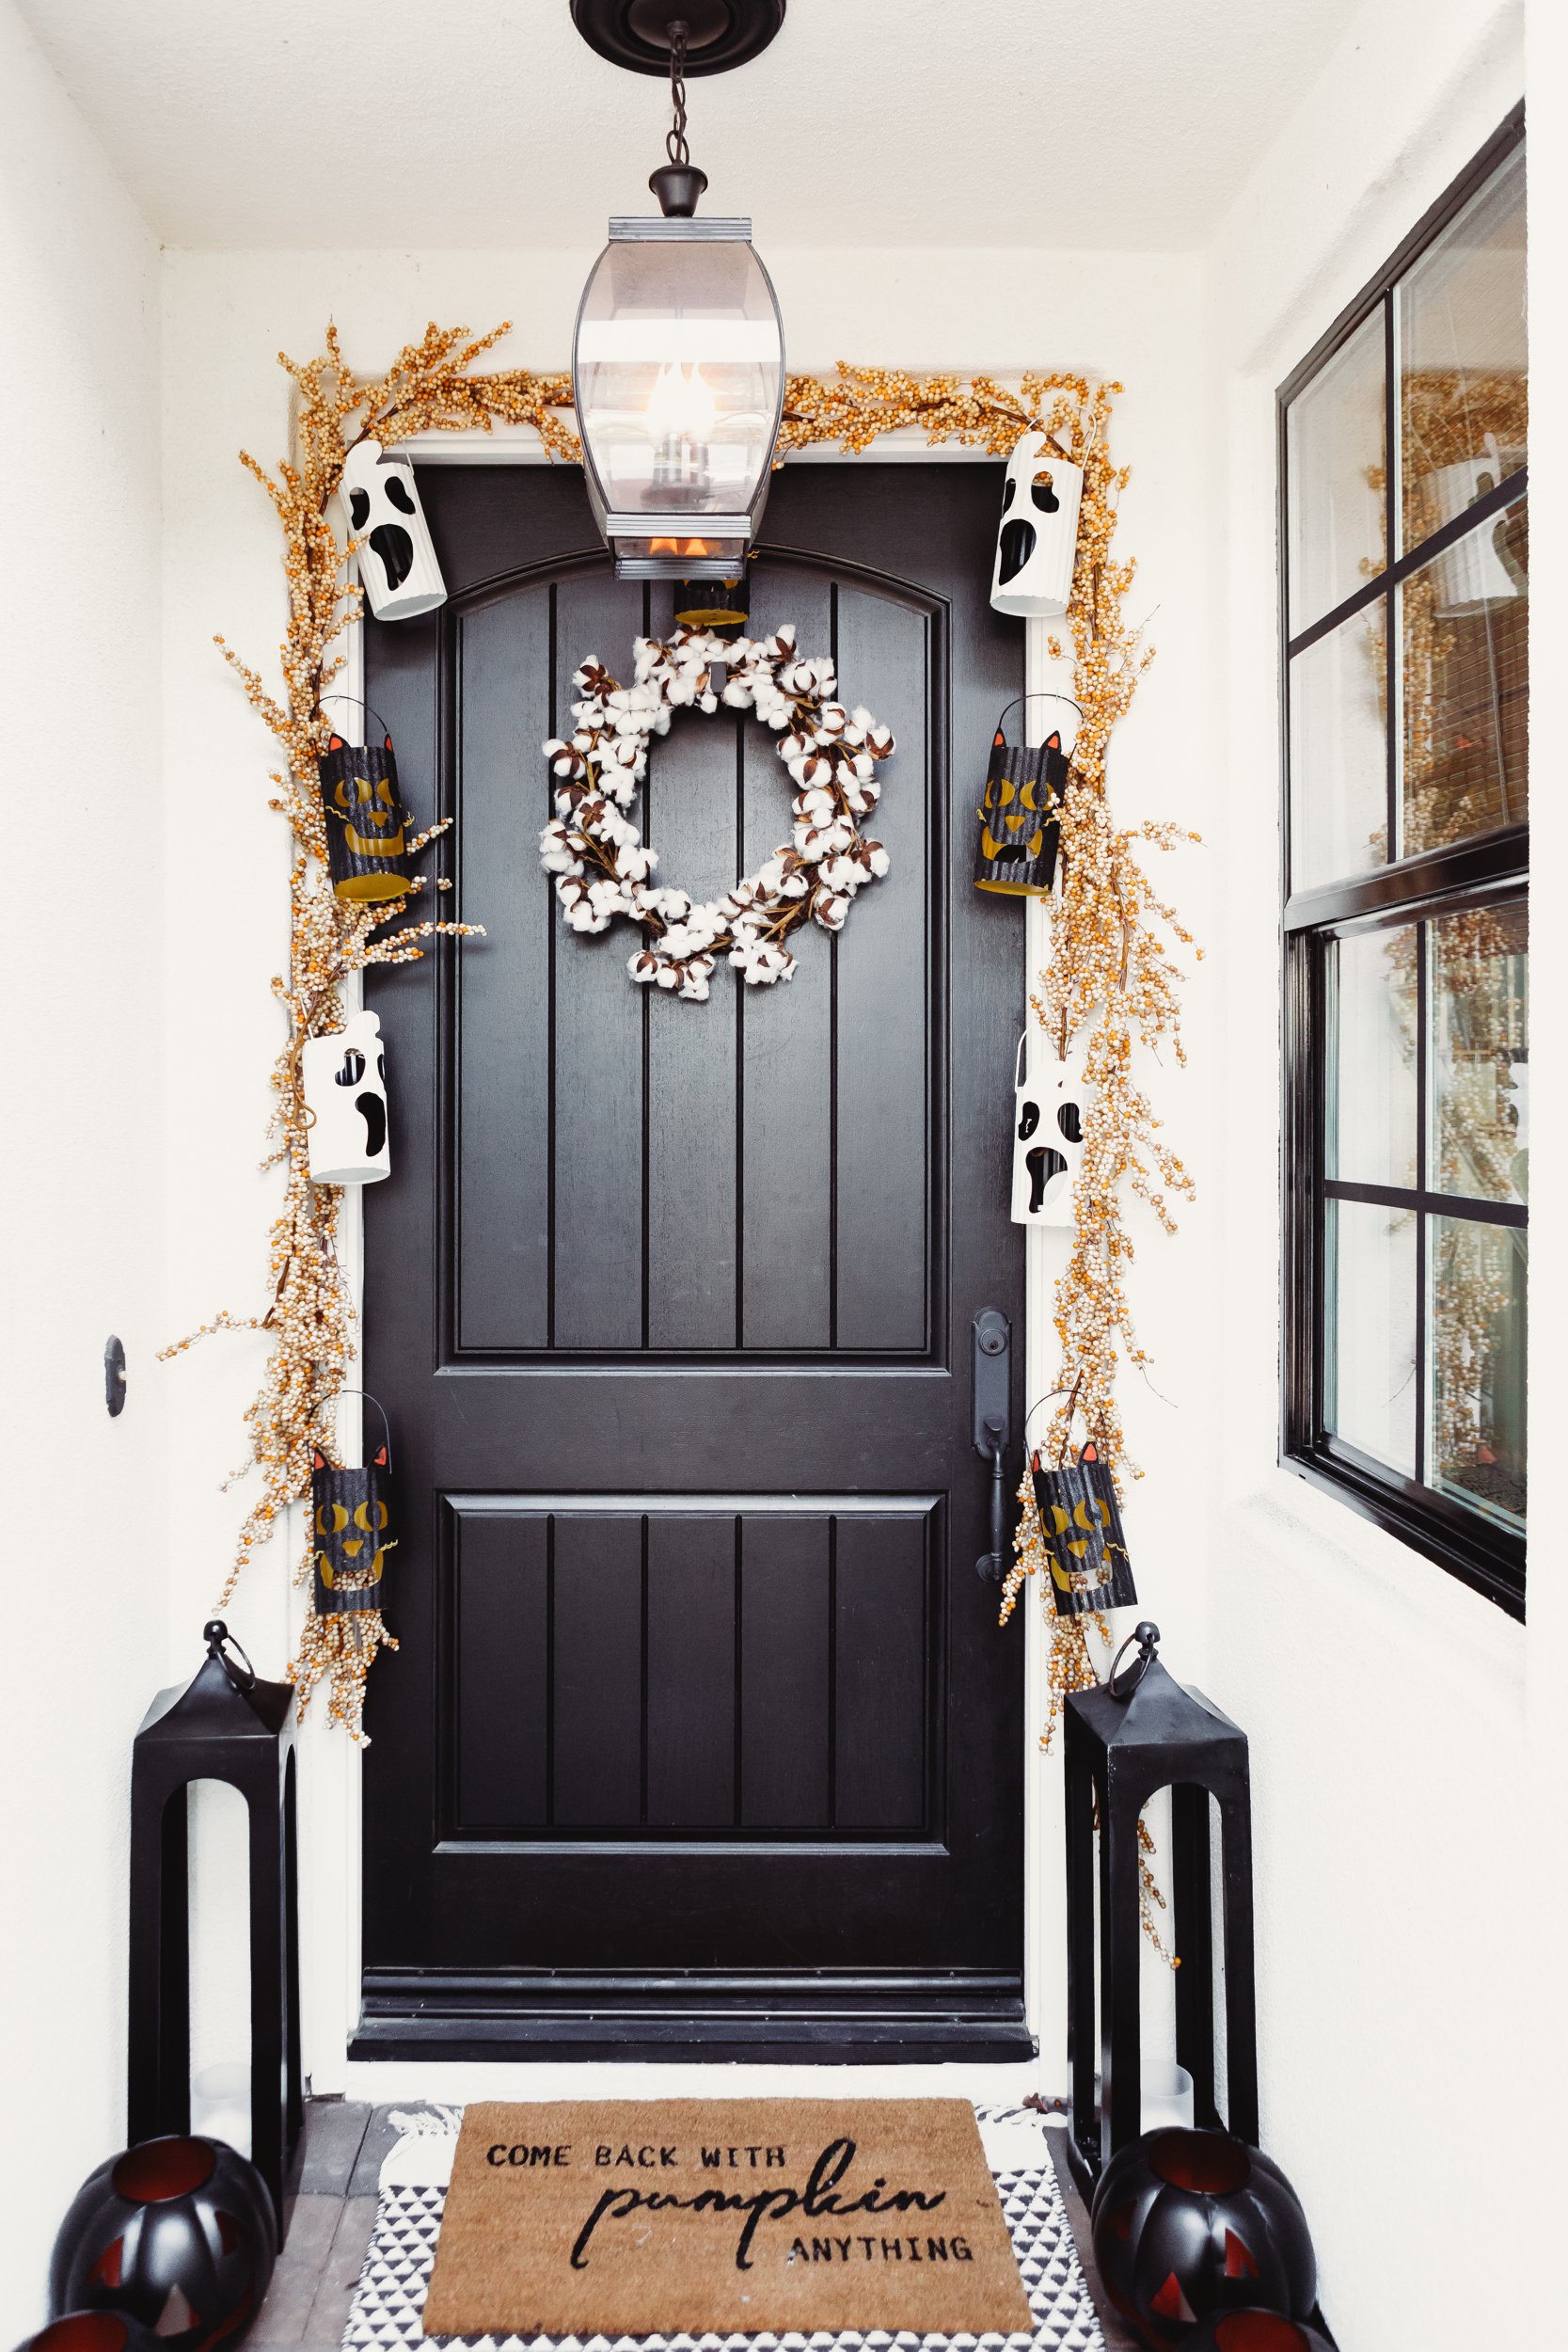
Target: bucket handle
369 713
1044 696
386 1425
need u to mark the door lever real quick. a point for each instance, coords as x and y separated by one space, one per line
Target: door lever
992 1426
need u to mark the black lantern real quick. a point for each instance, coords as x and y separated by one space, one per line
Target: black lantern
677 360
227 1725
351 1513
1140 1733
1021 813
179 2233
1081 1521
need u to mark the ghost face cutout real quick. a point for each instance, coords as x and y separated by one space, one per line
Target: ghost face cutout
1049 1110
397 560
344 1077
1037 541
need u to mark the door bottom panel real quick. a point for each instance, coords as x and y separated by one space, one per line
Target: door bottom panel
815 2016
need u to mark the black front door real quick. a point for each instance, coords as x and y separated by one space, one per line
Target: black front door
701 1737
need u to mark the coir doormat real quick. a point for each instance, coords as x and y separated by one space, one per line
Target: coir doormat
717 2216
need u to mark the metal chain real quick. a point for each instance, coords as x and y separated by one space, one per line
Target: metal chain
674 142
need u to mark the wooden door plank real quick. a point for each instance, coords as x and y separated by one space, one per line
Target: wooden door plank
691 1671
691 801
881 1686
883 1036
599 1016
596 1671
504 982
786 1106
501 1659
785 1674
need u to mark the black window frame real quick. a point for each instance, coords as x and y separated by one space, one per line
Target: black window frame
1483 1553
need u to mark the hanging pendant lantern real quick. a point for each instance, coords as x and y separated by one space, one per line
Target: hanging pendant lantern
1022 810
677 374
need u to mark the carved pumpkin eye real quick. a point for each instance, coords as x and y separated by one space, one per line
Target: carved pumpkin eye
384 790
358 509
399 494
351 1069
339 1520
362 1518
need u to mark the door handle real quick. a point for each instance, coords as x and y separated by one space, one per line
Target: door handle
991 1357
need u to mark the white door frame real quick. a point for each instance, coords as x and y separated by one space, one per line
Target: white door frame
330 1782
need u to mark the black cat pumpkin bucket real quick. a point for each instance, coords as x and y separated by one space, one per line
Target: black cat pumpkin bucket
1020 817
352 1522
367 823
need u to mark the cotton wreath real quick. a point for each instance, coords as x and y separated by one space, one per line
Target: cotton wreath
602 865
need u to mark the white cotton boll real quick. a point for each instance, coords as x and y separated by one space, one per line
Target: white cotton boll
830 912
642 966
737 694
668 977
793 887
832 720
817 805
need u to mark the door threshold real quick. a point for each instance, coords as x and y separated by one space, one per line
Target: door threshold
813 2020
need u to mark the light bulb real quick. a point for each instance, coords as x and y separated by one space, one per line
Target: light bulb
681 406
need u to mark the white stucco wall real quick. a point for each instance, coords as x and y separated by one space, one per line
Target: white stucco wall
86 1580
1392 1753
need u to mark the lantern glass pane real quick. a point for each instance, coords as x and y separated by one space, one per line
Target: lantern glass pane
1370 1353
1372 1123
1335 477
1479 1145
1340 753
1462 341
1466 630
1476 1279
679 373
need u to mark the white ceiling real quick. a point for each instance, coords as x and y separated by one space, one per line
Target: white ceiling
456 124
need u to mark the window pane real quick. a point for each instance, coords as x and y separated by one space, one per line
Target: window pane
1372 1076
1335 477
1461 324
1465 626
1370 1367
1339 754
1479 1053
1478 1365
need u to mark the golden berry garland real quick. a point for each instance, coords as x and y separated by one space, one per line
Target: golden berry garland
1109 972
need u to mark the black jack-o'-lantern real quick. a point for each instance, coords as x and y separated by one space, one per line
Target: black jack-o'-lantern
367 823
1081 1521
1190 2224
1021 813
179 2233
352 1523
93 2332
1253 2330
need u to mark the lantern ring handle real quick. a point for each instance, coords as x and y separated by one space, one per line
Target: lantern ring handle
219 1643
1043 694
1018 1069
364 705
337 1393
1147 1637
1071 1394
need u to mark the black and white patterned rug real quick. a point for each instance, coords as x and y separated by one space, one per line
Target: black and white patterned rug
390 2301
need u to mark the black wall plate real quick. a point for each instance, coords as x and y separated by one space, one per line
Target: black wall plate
719 33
